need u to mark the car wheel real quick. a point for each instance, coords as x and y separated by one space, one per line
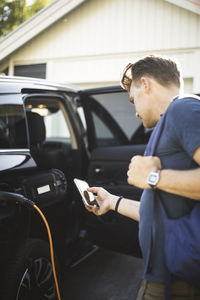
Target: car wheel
30 274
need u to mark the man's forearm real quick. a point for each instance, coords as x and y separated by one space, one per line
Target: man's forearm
183 183
127 207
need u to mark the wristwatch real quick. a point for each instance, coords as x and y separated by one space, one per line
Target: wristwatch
153 178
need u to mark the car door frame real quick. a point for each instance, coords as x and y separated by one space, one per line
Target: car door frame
111 230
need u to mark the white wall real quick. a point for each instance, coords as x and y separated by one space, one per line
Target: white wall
92 44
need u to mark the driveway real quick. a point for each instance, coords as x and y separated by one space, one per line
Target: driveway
105 275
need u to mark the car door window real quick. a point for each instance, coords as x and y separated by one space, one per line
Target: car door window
52 139
12 123
56 127
102 131
111 120
53 113
121 110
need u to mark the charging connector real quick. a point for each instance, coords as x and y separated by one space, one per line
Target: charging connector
17 198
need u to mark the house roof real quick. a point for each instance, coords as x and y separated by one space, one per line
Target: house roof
52 13
191 5
36 24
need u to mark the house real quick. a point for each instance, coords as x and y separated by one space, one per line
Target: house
89 42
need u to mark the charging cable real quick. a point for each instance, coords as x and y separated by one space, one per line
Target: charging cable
51 249
17 198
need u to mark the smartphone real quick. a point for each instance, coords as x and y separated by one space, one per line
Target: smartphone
87 197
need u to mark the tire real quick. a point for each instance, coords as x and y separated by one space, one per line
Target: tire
29 274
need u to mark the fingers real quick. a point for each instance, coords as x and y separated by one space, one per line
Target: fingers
139 169
102 199
94 189
158 162
94 210
135 157
88 208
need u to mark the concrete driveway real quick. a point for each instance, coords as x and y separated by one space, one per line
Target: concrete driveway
105 275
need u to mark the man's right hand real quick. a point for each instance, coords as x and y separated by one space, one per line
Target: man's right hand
105 200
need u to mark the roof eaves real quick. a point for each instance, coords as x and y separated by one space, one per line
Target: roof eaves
191 5
28 21
36 24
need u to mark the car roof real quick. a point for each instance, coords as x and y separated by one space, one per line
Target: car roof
15 84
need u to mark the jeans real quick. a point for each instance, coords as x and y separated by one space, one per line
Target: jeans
180 290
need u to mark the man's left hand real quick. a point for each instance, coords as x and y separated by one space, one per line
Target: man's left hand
139 169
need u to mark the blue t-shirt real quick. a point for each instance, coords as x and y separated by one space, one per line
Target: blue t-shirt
178 141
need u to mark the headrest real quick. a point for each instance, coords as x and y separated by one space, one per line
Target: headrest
37 130
17 134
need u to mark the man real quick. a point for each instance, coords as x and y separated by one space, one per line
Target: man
154 85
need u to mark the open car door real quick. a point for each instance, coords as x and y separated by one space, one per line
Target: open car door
114 136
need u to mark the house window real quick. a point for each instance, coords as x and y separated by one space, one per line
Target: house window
35 70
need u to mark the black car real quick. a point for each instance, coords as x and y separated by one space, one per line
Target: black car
50 134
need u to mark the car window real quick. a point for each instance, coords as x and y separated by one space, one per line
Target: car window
110 120
56 127
104 136
12 123
121 110
54 117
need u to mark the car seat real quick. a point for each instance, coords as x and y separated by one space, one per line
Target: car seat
46 154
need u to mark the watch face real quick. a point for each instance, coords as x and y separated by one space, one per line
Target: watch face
153 178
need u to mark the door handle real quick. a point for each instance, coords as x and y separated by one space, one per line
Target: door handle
98 170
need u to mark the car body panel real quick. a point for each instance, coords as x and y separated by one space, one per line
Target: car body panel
11 160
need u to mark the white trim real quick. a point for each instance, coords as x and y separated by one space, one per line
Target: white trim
190 5
32 27
14 150
11 68
103 55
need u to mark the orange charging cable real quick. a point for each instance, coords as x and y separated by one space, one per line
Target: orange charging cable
51 249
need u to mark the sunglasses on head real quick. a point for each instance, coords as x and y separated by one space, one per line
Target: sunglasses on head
126 77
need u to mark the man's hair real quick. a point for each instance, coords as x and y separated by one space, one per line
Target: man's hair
164 70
